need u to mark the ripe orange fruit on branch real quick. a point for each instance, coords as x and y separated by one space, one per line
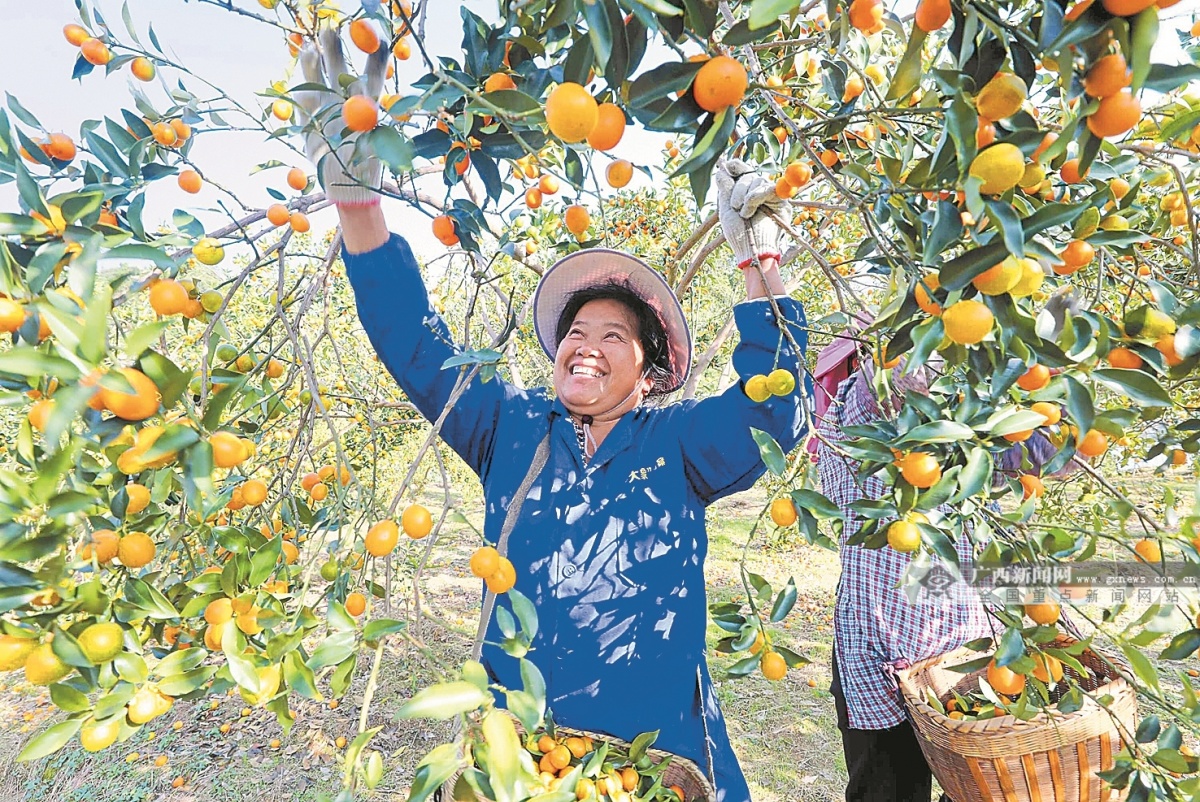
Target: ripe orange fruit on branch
76 34
168 297
1001 97
60 146
164 133
360 113
609 128
1127 8
382 538
1048 669
1044 613
1125 358
968 322
923 299
1077 254
932 14
12 315
571 112
443 229
1051 412
719 84
95 736
904 536
135 550
104 543
362 34
577 219
95 52
798 174
228 449
138 405
774 667
1004 680
498 81
619 173
1035 378
504 578
999 279
356 604
1031 486
485 561
1107 76
1093 443
254 492
783 512
15 651
999 167
299 222
920 469
297 179
1117 114
866 15
142 68
278 214
1148 551
190 181
416 521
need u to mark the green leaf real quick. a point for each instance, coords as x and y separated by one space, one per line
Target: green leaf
710 145
526 613
640 744
333 650
974 476
149 600
379 627
784 602
1141 666
907 75
817 504
660 7
1143 34
662 81
764 12
1136 384
772 454
299 677
938 431
742 33
392 148
1182 645
444 701
1169 77
27 361
433 771
504 748
67 698
50 741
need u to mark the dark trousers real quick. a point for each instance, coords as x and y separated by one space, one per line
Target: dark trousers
884 765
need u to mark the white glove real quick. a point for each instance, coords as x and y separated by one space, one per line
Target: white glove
743 198
348 173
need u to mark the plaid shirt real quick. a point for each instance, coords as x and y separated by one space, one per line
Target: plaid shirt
876 626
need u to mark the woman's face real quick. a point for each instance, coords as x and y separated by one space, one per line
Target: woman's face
600 362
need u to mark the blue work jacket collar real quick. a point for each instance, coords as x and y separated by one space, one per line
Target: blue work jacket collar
617 440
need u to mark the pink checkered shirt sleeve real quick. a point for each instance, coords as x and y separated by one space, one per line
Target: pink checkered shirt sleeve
875 623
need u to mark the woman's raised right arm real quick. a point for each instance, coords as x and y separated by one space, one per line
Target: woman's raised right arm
412 340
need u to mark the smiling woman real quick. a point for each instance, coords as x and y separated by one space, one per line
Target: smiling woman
595 499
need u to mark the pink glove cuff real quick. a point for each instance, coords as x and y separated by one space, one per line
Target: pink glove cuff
358 204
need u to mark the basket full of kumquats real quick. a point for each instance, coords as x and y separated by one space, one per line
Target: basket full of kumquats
989 733
596 766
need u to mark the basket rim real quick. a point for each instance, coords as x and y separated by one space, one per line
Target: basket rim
1045 718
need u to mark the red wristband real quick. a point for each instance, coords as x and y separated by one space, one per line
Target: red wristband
766 255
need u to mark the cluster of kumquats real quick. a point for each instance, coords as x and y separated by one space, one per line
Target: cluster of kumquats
606 770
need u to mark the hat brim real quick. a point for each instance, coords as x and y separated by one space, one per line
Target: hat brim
596 266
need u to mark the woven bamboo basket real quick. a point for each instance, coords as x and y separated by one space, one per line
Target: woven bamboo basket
1051 758
680 771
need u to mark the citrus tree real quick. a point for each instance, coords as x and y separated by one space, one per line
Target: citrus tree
191 507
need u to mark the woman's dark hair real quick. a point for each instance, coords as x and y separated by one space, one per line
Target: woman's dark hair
650 331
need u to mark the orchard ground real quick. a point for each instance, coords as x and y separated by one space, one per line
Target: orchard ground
785 733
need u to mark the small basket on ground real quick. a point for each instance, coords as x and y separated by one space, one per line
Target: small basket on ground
1051 758
680 771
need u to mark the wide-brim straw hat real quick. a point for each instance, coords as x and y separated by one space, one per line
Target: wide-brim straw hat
596 266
